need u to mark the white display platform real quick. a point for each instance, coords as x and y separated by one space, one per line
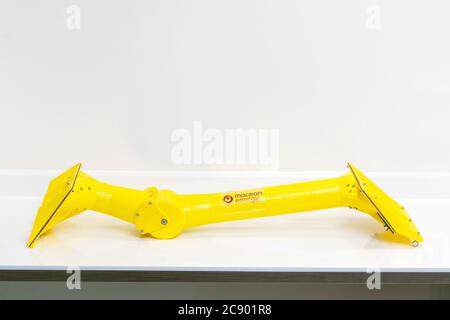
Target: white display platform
337 240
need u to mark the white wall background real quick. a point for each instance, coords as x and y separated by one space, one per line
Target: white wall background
112 93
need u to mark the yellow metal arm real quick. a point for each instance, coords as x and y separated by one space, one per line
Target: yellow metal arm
164 214
245 204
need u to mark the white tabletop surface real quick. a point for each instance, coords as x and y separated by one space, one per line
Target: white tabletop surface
338 239
329 240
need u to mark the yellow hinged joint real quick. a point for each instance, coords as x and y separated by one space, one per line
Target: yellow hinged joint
149 216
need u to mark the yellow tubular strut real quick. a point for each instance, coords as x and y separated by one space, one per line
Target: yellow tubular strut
164 214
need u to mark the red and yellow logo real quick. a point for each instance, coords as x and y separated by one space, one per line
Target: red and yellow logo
227 198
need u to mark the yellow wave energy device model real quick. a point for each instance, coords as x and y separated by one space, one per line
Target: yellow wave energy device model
164 214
